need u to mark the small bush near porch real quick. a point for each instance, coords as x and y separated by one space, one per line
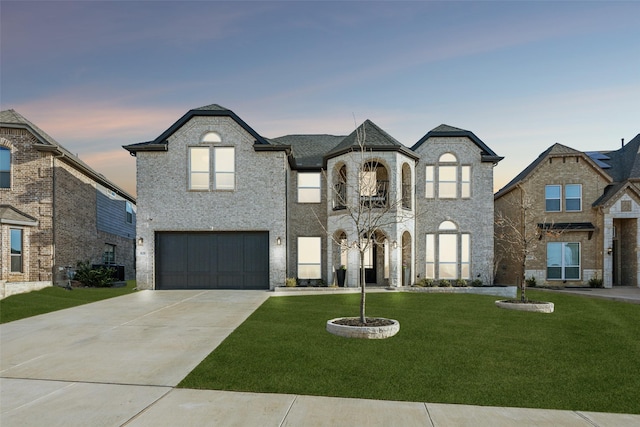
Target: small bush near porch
450 349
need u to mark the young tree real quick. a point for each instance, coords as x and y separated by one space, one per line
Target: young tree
518 235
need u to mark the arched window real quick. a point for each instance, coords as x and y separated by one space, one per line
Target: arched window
211 137
5 167
451 179
340 187
407 190
448 253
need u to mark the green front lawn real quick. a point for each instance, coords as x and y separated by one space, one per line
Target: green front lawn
450 349
54 298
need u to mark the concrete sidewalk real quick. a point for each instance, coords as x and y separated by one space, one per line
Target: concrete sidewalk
629 294
116 362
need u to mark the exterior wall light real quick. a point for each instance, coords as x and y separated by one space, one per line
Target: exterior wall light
395 244
278 241
140 241
609 250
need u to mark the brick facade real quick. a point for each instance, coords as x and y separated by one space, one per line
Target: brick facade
58 191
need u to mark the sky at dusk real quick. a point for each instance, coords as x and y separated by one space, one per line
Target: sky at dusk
520 75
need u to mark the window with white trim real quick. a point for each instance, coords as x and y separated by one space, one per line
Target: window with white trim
552 197
16 250
465 182
448 253
573 197
224 168
429 190
199 168
309 187
309 257
563 261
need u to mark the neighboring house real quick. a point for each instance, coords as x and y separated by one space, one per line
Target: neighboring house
56 211
223 207
584 208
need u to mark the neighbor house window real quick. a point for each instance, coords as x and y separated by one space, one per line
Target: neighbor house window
109 254
563 261
5 167
16 250
309 257
129 211
573 197
552 196
198 168
224 168
309 187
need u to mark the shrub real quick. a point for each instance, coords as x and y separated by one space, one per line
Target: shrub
595 282
460 283
531 282
100 277
291 282
477 283
444 283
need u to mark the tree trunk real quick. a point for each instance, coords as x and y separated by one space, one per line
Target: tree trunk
362 286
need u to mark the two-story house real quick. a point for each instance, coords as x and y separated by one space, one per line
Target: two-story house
578 212
56 211
221 206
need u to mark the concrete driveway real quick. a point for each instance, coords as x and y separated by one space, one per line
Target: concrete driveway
102 363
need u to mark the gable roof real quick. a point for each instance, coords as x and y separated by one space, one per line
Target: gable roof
556 150
375 139
213 110
12 216
446 131
13 119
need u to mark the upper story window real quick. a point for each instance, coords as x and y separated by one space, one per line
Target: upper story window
407 188
373 185
224 167
449 178
572 198
199 168
211 137
5 167
129 212
309 187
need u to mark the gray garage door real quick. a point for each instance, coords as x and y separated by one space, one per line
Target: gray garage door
233 260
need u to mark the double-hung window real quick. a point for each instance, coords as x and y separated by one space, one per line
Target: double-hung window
224 167
309 257
573 197
309 187
563 261
16 250
5 167
199 168
109 254
553 196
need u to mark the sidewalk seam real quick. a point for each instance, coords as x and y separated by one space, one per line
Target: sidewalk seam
295 398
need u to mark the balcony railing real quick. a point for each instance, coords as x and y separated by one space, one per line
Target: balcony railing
339 196
375 197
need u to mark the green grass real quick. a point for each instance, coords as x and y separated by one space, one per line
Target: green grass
450 349
54 298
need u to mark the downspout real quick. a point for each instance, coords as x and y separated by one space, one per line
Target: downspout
53 215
